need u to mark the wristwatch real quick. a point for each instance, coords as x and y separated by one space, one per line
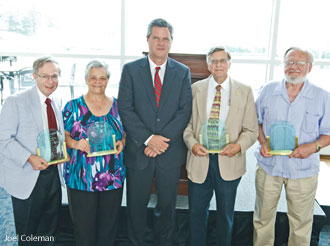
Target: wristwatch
318 147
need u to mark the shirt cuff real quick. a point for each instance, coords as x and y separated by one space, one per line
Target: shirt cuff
147 141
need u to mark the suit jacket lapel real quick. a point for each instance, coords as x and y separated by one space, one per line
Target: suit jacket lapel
147 82
201 98
58 113
234 102
169 79
35 108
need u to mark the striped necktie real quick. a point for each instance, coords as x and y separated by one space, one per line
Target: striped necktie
215 110
157 86
213 121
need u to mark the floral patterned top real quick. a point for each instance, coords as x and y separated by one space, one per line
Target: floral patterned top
99 173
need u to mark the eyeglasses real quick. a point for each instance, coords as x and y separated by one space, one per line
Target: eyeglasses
221 61
298 63
45 77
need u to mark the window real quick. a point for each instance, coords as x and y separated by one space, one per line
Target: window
304 24
200 25
256 33
60 27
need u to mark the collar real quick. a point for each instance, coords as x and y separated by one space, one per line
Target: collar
225 85
305 91
153 65
42 97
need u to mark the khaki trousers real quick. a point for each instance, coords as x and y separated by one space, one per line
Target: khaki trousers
300 195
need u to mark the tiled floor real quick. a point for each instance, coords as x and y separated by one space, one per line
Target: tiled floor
7 226
7 223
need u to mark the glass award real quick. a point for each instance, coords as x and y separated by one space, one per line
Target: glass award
214 136
52 147
281 139
101 139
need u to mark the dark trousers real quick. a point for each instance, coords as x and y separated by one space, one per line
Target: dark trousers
95 216
38 215
139 183
199 202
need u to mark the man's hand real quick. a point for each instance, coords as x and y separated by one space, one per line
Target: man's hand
37 162
149 152
264 150
158 144
231 149
82 145
303 151
199 150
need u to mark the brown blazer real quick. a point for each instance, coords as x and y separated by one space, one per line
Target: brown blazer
241 124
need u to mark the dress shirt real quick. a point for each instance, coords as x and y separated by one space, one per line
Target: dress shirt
43 106
310 115
161 74
161 71
225 93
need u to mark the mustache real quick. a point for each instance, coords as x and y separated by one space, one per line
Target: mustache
295 80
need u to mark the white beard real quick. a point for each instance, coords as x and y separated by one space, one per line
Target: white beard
296 80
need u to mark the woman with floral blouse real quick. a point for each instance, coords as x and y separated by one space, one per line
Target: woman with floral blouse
94 184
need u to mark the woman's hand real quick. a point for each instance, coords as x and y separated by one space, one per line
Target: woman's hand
82 145
119 146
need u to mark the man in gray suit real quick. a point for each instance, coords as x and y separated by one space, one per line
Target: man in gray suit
33 184
154 104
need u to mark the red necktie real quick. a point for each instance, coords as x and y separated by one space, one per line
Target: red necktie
157 86
50 115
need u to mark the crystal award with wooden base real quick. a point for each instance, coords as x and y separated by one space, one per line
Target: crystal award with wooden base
101 139
282 139
214 136
52 147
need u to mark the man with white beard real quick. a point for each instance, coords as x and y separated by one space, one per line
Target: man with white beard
307 108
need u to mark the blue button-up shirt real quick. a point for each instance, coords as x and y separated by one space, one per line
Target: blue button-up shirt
310 115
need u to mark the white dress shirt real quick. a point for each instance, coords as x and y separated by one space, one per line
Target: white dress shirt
43 106
225 95
161 71
161 74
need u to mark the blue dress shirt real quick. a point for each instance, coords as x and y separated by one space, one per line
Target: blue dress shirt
310 115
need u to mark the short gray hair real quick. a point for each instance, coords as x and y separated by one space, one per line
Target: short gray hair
40 62
97 64
159 23
216 49
307 52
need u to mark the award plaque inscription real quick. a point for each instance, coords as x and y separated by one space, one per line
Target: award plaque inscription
282 138
101 139
52 147
214 136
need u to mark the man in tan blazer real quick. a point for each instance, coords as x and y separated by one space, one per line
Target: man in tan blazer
218 172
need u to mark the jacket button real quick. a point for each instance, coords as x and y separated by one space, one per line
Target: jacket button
158 119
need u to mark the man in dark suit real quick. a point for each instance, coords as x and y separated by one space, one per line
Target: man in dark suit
154 104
